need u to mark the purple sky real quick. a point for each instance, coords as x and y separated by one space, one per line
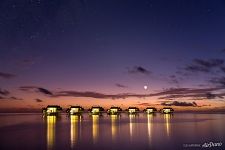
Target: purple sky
110 48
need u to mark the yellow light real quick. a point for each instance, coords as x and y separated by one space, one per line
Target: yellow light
150 116
73 130
74 110
95 110
114 127
131 125
132 110
51 110
149 110
166 110
95 128
167 118
114 110
50 131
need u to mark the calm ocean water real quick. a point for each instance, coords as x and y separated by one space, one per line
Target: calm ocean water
133 132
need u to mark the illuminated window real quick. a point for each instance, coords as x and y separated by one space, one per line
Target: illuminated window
132 110
166 110
149 110
95 110
51 110
74 110
114 110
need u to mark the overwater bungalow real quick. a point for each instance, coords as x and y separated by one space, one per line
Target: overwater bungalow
75 110
150 110
51 110
133 110
96 110
114 111
167 110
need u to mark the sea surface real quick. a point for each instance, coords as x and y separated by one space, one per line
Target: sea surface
131 132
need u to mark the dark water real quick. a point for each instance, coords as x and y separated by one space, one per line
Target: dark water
140 132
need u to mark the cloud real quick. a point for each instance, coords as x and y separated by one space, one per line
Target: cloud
15 98
45 91
173 79
196 68
10 98
36 89
138 70
98 95
144 104
222 69
6 75
38 100
4 92
177 103
198 96
205 66
174 93
5 95
188 90
120 85
220 81
209 63
166 94
210 96
170 94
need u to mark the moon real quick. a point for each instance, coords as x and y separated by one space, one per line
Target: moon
145 87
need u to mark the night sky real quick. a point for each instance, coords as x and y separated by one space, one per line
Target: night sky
103 52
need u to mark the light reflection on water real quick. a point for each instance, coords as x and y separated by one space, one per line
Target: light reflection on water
114 127
150 125
143 131
167 118
132 125
74 119
95 128
51 120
